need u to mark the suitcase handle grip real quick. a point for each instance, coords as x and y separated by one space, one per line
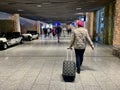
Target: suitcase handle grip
68 53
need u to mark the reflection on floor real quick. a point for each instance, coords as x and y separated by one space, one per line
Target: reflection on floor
37 65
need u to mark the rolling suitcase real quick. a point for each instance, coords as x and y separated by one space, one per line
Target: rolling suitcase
69 69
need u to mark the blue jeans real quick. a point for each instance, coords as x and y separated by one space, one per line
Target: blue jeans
79 57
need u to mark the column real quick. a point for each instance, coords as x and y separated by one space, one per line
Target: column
38 26
109 24
116 38
90 23
116 35
16 19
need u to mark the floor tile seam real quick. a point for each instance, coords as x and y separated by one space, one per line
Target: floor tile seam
13 73
33 56
52 56
112 81
37 77
94 76
96 80
103 62
81 82
106 75
51 75
109 64
28 70
91 86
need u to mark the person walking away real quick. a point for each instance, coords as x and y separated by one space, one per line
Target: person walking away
64 30
53 31
58 33
79 39
45 31
49 31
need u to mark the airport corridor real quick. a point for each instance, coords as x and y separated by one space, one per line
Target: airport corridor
37 65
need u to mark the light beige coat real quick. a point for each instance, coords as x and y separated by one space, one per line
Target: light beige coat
80 37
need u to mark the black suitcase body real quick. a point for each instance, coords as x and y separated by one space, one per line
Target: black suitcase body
69 70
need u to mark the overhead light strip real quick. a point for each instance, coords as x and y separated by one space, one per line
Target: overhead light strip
78 8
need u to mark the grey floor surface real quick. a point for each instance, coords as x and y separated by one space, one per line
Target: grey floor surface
37 65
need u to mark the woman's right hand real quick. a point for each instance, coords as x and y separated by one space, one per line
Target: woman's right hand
69 48
92 47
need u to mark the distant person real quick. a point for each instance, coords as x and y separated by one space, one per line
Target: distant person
45 31
58 32
69 30
79 40
64 30
53 31
49 31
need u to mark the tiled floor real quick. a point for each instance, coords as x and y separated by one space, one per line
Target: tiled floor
37 65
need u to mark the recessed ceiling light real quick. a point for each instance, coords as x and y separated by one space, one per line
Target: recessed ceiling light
46 3
78 13
39 5
20 10
78 8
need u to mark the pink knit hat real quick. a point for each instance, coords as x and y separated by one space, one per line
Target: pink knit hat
80 23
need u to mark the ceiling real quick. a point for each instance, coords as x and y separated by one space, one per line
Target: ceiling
51 10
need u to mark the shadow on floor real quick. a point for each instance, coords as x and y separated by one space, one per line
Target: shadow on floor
83 68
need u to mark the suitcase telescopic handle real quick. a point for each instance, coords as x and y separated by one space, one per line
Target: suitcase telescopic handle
70 53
